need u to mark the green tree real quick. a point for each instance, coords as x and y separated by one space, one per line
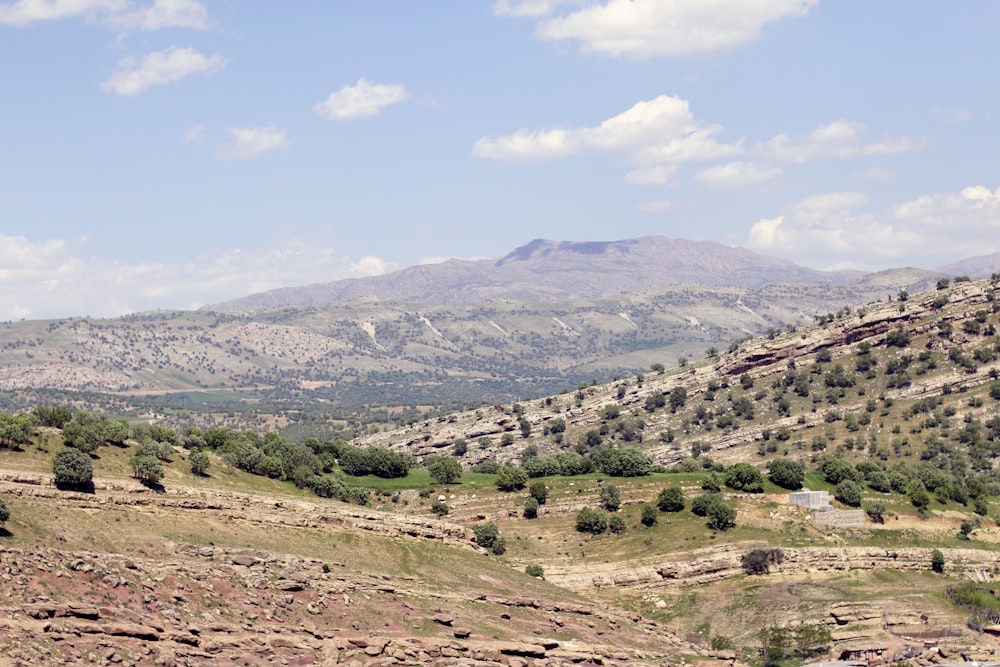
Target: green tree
388 464
937 561
611 498
199 462
701 503
918 495
655 400
530 508
510 478
649 515
82 437
539 491
56 416
616 524
486 534
147 469
72 468
113 432
786 473
670 499
590 520
721 516
440 508
624 462
525 427
4 512
835 470
744 477
876 511
759 561
849 493
678 397
444 469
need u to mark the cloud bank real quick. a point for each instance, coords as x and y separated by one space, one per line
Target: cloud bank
60 278
836 230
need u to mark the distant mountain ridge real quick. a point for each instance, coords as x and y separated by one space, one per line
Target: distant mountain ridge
544 270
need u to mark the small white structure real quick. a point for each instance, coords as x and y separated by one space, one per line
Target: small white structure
814 500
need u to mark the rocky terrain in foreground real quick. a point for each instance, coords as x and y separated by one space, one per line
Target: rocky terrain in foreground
198 604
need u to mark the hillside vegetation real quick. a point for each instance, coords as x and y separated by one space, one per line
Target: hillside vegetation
310 370
639 520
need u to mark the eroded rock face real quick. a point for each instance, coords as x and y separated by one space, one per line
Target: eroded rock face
714 564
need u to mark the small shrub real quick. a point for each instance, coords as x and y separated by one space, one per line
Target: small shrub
937 561
486 467
510 478
199 462
616 524
590 520
486 534
670 499
539 492
759 561
649 515
876 511
721 516
530 508
440 508
611 498
701 503
146 469
534 571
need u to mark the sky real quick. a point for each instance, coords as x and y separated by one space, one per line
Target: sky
165 154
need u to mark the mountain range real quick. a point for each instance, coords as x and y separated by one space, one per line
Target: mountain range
546 316
544 270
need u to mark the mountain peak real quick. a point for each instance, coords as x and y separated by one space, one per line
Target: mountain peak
539 248
546 270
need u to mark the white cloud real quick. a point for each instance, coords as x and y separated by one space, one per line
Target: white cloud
656 206
738 174
529 7
252 141
837 230
59 278
159 68
651 176
362 100
24 12
163 14
194 134
120 14
652 132
655 28
840 139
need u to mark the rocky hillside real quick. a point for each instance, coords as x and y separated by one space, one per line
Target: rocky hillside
890 408
373 351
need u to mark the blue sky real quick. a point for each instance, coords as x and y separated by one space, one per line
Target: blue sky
171 153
